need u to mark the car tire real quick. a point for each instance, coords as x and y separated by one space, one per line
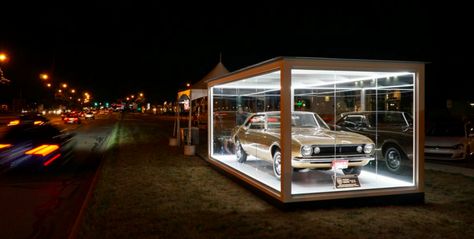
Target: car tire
393 159
240 152
277 163
353 171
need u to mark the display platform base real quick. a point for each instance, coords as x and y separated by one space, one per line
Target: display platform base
364 201
312 181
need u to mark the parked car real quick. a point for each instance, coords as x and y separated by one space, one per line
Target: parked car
452 140
314 145
391 130
37 146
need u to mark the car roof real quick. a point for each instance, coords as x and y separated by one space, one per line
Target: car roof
373 112
24 132
278 112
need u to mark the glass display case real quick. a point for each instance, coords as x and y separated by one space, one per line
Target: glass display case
303 129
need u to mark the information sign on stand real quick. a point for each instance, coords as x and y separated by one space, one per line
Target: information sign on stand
346 181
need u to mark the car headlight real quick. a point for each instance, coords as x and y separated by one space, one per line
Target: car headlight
368 148
359 149
317 150
306 150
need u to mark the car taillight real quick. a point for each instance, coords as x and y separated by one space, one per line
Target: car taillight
13 122
4 146
43 150
38 122
51 160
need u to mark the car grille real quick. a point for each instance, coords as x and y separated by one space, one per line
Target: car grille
338 150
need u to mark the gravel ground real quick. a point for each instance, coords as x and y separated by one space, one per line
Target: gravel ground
148 189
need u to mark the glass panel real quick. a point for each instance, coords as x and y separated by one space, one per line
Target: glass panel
245 126
366 121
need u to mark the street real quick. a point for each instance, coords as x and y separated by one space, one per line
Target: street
46 204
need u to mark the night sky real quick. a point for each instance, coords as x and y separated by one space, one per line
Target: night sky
115 50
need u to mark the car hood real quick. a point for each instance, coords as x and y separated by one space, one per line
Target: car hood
444 141
324 136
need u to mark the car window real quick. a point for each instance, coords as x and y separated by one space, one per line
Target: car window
454 129
303 121
351 121
389 119
257 122
273 121
321 122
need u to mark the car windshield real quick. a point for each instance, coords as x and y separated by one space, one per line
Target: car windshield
298 120
447 130
390 119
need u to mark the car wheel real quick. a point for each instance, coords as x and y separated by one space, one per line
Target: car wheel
469 154
240 152
352 170
277 163
393 159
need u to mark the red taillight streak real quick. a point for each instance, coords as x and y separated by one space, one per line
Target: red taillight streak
51 160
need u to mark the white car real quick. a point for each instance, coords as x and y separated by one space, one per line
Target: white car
450 141
89 115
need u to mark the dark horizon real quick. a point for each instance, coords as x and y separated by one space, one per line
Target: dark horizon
116 51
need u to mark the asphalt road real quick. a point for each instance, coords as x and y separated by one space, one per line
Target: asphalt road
46 205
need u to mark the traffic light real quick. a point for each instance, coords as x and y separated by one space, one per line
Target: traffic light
107 104
96 104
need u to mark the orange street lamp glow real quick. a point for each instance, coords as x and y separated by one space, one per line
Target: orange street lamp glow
48 85
141 94
44 76
3 57
64 85
73 91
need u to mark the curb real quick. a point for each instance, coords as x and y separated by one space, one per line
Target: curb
75 229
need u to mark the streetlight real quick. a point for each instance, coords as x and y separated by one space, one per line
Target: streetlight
64 85
44 76
3 59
